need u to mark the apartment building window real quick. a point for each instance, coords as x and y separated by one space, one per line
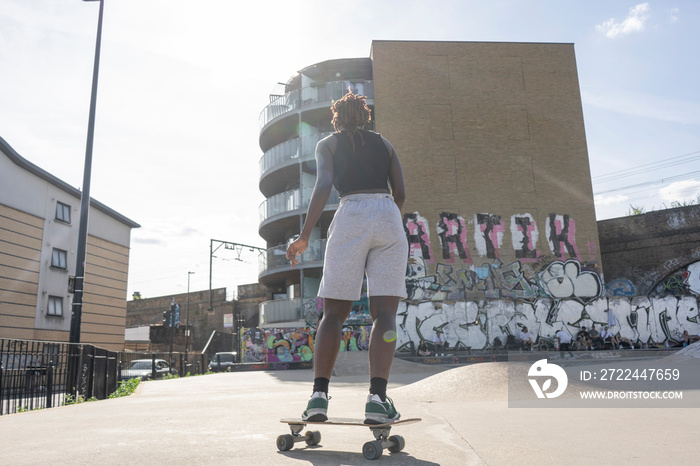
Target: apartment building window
55 306
59 259
62 212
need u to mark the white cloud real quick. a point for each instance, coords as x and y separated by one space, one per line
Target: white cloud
681 191
634 22
643 105
673 14
602 200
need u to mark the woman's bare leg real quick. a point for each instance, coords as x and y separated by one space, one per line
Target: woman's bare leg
328 335
382 340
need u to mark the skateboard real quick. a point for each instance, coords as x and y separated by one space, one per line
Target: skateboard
371 450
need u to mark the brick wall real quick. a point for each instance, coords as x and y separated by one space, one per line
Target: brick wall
644 249
492 143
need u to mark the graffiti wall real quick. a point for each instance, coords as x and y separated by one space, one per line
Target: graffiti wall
276 345
454 274
477 324
481 279
294 344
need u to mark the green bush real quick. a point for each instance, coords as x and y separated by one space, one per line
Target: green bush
126 388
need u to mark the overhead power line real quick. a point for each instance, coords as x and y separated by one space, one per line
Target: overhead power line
653 166
650 183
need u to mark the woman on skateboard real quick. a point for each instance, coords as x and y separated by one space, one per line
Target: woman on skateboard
366 237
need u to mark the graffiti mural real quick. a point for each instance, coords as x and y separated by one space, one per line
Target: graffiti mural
496 280
620 287
680 282
566 280
276 345
459 277
477 324
294 344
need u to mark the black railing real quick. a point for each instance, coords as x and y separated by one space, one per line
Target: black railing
33 374
39 374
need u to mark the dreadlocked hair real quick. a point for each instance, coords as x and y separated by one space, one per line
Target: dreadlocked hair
350 113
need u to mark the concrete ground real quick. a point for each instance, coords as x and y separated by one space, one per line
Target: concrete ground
233 418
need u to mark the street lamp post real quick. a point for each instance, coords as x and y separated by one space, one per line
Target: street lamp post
187 318
77 306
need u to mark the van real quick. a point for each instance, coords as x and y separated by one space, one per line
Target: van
222 362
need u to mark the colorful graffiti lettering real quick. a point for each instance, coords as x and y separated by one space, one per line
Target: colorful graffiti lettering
620 287
496 281
294 344
681 282
458 277
274 345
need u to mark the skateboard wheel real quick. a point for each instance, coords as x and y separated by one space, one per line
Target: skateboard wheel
398 443
372 450
285 442
313 437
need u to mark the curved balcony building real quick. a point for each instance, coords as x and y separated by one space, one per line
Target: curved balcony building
297 117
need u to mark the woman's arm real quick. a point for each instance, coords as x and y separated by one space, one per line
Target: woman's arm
319 197
398 188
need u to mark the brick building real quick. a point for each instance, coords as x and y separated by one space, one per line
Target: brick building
206 315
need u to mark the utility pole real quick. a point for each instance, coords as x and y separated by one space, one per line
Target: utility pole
174 322
187 319
227 245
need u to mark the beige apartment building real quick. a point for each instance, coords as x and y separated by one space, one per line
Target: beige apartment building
39 216
492 142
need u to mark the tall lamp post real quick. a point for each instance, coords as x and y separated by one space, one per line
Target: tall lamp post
187 318
77 307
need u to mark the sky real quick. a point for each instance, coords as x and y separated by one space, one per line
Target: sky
182 83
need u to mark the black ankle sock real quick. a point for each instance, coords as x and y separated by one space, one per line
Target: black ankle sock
377 386
321 385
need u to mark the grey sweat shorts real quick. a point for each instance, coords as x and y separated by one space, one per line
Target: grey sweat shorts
366 236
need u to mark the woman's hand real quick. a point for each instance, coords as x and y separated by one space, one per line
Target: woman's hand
295 249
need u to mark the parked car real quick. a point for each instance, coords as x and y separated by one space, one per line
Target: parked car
222 362
143 368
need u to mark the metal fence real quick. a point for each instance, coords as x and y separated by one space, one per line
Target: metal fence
39 374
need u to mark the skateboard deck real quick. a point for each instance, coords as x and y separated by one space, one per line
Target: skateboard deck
371 450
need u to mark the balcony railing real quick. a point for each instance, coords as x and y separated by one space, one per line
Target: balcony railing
312 95
291 201
288 310
276 258
298 148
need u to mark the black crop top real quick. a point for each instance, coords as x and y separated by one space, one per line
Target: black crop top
365 168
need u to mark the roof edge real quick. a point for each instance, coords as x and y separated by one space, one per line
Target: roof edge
46 176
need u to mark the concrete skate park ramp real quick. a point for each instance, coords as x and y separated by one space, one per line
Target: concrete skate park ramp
477 382
688 354
486 381
357 363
